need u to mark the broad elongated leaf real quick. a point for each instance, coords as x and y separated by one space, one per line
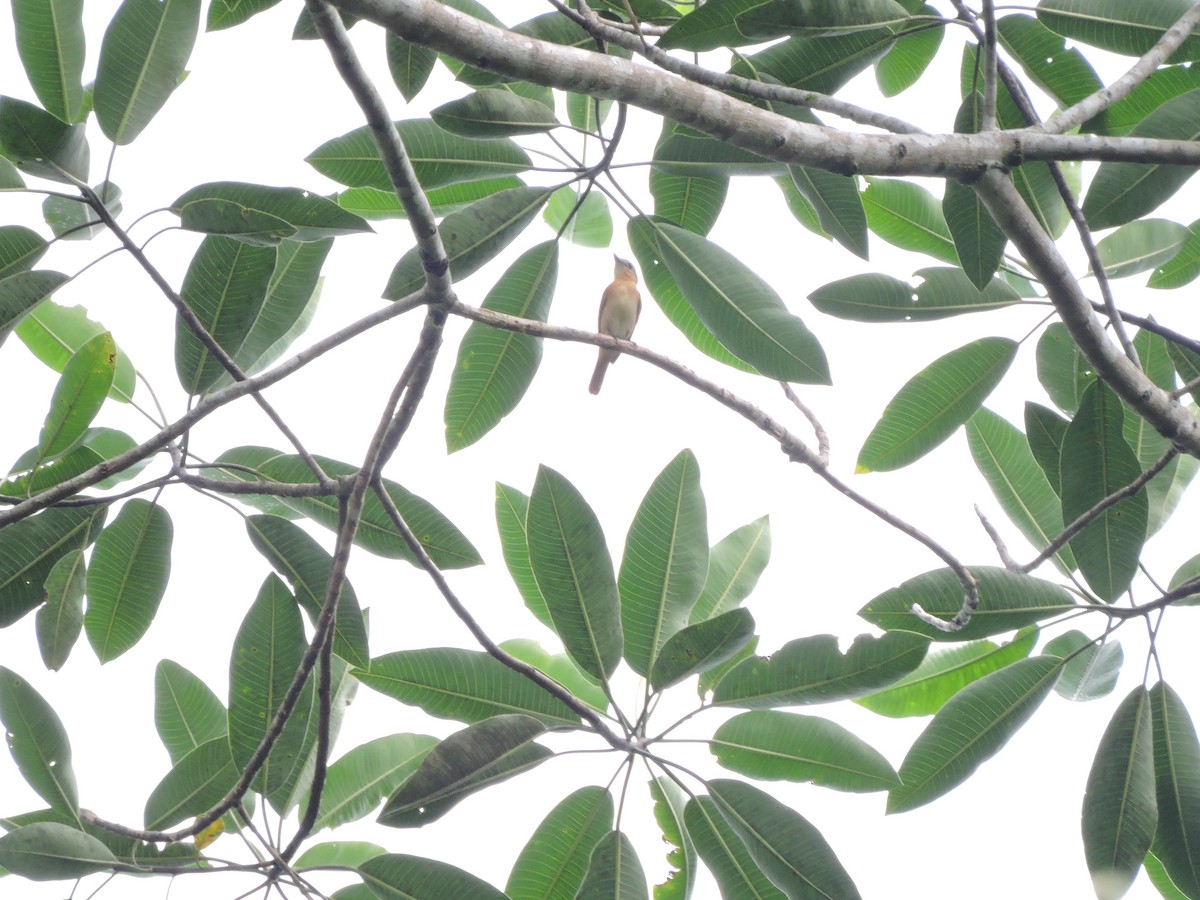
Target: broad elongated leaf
724 853
700 647
30 548
495 368
1090 670
561 668
21 292
481 754
1120 809
395 876
40 144
1044 429
438 157
356 782
934 403
1128 29
665 559
50 41
772 746
54 333
71 219
85 383
196 783
574 573
472 236
1182 268
468 685
38 742
742 310
227 13
299 558
552 864
909 57
1177 788
614 872
1096 461
943 292
977 238
971 728
60 621
838 204
127 577
1062 369
263 215
691 203
20 249
943 673
669 805
1003 457
785 845
490 113
186 711
734 566
30 475
909 216
1140 245
813 670
48 851
511 509
409 64
142 60
1007 601
372 203
587 223
1062 73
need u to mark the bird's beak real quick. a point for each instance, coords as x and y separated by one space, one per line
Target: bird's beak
616 258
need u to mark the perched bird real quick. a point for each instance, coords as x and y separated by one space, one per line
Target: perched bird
620 306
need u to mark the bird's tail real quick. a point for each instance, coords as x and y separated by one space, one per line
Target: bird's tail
602 365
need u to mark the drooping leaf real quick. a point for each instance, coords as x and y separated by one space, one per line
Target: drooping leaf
1177 788
196 783
81 391
40 144
614 871
357 781
909 57
1090 670
838 205
552 864
1044 430
734 566
934 403
971 728
263 215
55 333
142 59
23 291
186 711
1120 809
691 203
50 41
30 548
909 216
20 249
512 507
977 238
38 742
409 64
669 805
48 851
60 620
700 647
724 853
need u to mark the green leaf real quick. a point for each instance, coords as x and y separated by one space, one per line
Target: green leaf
1153 92
943 292
60 620
909 57
971 728
1064 74
824 64
1121 192
802 211
438 157
1177 787
614 871
665 558
943 673
491 113
467 761
127 577
669 806
691 203
48 851
338 854
1119 807
734 566
511 509
689 153
72 219
40 144
1128 29
262 215
838 204
1182 268
495 368
725 854
700 647
20 249
1090 671
357 781
472 236
55 333
1158 877
86 380
561 668
50 41
445 544
227 13
772 746
813 670
741 309
574 572
785 845
30 548
21 292
641 233
1044 429
553 861
142 60
30 474
266 654
1140 245
409 64
1003 457
9 177
186 711
299 558
468 685
909 216
1062 369
38 742
977 238
195 784
589 226
934 403
305 28
371 203
1096 462
226 287
1007 601
395 876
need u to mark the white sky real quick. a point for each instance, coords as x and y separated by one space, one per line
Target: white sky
253 106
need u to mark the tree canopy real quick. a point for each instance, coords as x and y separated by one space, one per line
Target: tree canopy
248 402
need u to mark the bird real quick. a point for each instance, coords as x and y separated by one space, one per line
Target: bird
620 306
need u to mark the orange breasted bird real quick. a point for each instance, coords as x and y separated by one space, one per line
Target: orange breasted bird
620 306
